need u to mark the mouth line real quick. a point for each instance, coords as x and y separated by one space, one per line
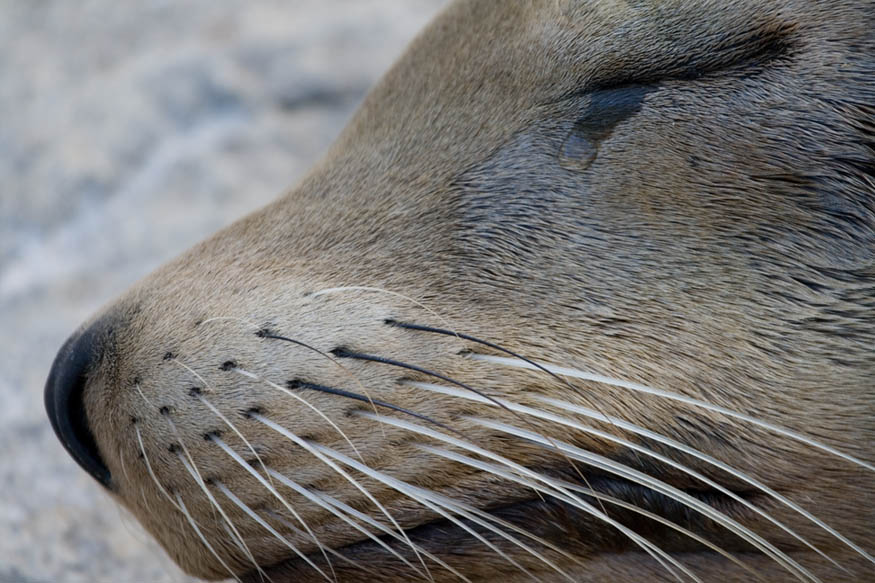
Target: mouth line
539 515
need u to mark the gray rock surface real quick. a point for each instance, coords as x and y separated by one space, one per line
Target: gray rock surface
129 131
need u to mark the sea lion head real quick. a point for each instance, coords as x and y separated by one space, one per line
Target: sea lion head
584 291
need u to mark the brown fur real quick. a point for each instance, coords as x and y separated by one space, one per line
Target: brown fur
720 244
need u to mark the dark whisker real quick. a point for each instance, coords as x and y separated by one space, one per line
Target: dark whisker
566 382
346 353
341 352
422 328
264 333
297 384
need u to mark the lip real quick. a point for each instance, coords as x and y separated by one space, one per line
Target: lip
555 521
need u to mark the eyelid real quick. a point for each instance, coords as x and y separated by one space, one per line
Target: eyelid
756 50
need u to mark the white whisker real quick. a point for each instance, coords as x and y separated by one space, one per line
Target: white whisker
263 523
279 518
643 479
622 424
203 539
662 520
152 472
533 477
449 502
718 464
554 488
236 457
415 494
216 411
387 531
309 447
320 502
579 374
236 536
300 399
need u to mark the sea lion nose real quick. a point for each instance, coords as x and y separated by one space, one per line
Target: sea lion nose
64 393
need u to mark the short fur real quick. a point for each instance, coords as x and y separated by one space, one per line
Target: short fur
677 194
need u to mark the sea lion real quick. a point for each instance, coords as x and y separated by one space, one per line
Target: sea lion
584 292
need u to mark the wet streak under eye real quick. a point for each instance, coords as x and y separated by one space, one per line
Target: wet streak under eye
605 110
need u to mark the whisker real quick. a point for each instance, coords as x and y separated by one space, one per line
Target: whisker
574 373
376 402
279 518
310 495
345 353
333 290
422 328
451 503
236 457
198 393
554 488
723 466
192 469
309 447
152 472
662 520
203 539
235 534
637 447
643 479
198 479
264 333
368 520
143 395
413 493
300 399
533 476
121 459
263 523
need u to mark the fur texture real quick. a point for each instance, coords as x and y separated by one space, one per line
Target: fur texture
675 194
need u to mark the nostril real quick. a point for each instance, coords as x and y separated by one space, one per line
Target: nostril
64 393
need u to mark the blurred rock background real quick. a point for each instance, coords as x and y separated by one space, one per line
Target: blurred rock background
129 131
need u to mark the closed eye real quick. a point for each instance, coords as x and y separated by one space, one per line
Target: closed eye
739 54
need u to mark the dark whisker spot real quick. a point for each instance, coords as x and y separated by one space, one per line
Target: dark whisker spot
165 410
173 448
228 365
169 356
342 352
135 381
195 391
134 420
294 384
209 436
248 413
